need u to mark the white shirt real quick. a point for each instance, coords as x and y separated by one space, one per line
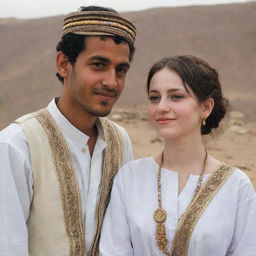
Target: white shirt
16 181
226 227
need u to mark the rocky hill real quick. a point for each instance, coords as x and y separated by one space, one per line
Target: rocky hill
224 35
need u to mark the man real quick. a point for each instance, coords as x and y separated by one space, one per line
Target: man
58 164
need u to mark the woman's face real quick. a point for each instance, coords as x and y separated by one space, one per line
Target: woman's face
173 111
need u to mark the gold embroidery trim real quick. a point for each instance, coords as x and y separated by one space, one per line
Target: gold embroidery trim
95 17
94 22
69 189
112 162
196 209
100 23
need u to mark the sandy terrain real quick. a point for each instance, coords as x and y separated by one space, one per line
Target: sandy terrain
224 35
234 142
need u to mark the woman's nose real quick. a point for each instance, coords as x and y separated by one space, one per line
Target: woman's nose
164 105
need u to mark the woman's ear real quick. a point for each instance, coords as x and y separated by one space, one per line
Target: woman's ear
62 64
207 108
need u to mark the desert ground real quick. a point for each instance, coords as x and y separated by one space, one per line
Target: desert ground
234 142
223 35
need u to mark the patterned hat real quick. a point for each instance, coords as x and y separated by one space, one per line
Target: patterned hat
99 23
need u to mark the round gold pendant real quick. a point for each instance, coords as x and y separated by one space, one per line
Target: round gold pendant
160 215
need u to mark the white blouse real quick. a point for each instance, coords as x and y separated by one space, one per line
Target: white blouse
16 181
226 227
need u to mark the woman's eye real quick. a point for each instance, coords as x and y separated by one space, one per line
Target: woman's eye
176 97
154 98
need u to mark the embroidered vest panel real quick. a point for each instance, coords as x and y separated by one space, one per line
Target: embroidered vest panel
46 209
55 224
112 163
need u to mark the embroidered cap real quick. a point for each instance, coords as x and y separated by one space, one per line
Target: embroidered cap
99 23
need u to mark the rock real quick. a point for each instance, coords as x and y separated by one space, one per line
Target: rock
237 129
156 139
235 122
129 115
236 115
117 117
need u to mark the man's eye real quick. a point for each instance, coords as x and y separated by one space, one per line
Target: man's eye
154 99
122 70
98 64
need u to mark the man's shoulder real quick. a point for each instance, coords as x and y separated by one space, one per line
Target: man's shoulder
13 134
13 141
121 129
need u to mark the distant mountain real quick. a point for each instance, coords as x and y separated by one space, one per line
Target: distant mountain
223 35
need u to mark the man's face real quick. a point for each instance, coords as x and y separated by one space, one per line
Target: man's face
96 80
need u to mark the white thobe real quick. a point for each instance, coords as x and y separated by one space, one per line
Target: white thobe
226 227
16 181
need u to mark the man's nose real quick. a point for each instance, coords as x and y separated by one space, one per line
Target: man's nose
110 79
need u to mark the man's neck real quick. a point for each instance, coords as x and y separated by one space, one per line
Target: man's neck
80 119
92 140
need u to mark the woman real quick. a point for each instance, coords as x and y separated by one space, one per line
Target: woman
182 201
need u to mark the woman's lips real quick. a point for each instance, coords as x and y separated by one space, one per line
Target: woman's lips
164 120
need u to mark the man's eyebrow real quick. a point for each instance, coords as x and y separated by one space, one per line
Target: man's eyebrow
124 64
99 58
106 60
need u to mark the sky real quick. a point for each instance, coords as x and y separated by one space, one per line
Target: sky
43 8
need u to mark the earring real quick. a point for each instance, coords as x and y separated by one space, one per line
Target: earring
204 122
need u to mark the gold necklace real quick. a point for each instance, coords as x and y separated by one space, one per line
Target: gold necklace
160 214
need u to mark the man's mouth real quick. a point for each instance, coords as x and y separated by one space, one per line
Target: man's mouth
106 94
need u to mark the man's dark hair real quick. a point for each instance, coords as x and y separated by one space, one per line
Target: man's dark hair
73 44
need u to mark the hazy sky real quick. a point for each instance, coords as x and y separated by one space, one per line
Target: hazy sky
42 8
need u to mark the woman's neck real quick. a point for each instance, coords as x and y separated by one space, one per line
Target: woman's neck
184 156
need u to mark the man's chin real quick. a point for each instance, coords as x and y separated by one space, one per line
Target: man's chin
106 109
100 110
100 113
104 114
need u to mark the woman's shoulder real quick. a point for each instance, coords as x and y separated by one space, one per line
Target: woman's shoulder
237 175
138 167
138 164
240 175
241 182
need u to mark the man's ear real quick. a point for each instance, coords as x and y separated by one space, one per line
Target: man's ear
207 107
63 65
